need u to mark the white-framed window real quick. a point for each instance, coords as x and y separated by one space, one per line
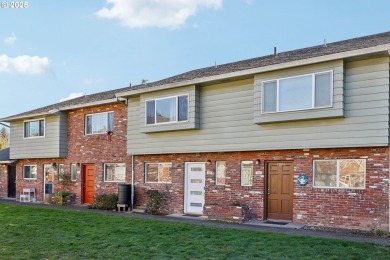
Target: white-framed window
114 172
158 172
220 172
302 92
34 128
73 172
99 123
30 172
61 172
166 110
246 173
342 173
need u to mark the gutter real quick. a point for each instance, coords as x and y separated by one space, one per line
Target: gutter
248 72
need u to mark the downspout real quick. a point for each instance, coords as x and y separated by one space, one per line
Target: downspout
132 181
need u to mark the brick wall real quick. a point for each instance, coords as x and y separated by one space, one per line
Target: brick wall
3 181
341 208
99 149
85 149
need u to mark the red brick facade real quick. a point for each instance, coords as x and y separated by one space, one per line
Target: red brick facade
3 181
83 149
340 208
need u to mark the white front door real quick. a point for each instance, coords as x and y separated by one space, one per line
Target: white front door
194 188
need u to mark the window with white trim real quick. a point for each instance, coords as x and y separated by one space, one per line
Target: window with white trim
344 173
158 172
73 172
167 110
29 172
220 172
246 173
35 128
61 172
298 93
114 172
99 123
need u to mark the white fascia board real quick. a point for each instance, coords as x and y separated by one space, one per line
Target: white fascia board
285 65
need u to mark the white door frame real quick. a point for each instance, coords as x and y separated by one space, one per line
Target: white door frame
186 183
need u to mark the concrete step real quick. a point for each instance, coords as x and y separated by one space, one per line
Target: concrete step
139 210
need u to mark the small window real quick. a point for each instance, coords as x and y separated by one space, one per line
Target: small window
61 172
220 177
246 173
114 172
158 172
298 93
346 173
73 172
99 123
30 172
1 172
34 128
167 110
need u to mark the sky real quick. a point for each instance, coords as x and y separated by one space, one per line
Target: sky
54 50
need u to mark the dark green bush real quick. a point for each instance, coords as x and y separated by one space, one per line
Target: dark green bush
106 201
155 199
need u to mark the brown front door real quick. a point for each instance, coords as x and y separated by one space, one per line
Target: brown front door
89 183
280 187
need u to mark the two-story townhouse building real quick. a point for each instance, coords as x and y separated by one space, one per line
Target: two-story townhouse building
299 136
83 139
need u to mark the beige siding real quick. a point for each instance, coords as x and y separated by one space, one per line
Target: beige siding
52 145
227 118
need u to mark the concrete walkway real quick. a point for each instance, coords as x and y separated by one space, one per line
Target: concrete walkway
342 235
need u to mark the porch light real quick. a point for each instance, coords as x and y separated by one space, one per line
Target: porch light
257 161
208 162
54 165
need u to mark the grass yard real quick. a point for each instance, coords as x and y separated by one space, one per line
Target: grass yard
40 233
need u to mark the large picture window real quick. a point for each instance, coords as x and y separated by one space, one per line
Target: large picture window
158 172
345 173
99 123
298 93
114 172
167 110
34 128
30 172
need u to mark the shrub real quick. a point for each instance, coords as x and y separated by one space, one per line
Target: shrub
61 198
155 199
106 201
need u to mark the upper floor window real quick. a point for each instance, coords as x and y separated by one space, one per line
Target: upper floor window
298 93
34 128
99 123
167 110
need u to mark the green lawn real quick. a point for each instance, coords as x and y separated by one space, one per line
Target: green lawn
40 233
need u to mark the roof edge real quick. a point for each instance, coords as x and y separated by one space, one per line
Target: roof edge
65 108
285 65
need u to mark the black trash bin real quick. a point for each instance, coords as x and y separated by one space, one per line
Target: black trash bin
124 194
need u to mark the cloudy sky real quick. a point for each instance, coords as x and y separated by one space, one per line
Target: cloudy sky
53 50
